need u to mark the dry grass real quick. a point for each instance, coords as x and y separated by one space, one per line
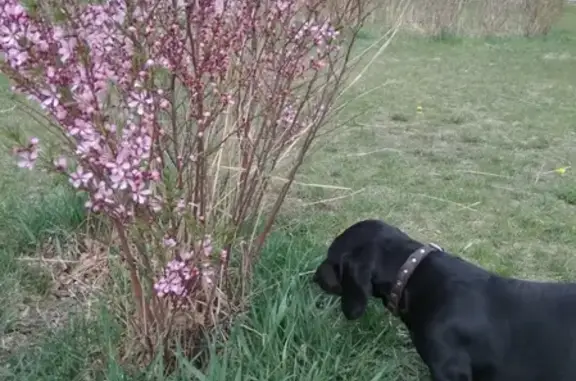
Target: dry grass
473 17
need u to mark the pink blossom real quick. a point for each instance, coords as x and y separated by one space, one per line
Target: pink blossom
103 194
140 101
288 116
10 35
207 247
77 126
27 158
177 281
180 275
60 163
50 97
80 178
140 195
169 242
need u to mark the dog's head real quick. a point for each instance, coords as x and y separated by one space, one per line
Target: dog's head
350 278
362 262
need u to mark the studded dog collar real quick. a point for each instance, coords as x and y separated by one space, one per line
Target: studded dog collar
405 273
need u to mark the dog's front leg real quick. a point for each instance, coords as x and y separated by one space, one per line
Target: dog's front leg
445 360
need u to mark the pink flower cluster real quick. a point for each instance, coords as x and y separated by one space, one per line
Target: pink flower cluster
102 72
27 155
68 69
178 280
181 275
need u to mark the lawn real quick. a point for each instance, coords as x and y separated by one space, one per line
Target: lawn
459 143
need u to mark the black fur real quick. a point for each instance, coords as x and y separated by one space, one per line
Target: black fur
466 323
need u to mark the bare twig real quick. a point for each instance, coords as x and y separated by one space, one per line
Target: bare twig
482 173
361 154
324 201
462 206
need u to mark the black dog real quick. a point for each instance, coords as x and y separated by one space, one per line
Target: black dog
466 323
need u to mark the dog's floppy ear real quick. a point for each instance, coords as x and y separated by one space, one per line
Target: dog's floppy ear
356 286
328 279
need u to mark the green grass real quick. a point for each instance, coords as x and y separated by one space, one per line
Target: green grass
36 212
473 171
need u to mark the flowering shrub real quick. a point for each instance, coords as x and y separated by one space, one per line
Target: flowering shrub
173 116
181 274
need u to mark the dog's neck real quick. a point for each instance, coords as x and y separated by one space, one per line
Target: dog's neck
396 257
391 259
430 283
397 294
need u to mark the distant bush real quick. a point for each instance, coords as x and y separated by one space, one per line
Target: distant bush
473 17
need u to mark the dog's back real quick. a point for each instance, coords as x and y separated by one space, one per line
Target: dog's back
534 329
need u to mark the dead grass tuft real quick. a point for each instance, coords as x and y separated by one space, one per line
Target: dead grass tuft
473 17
